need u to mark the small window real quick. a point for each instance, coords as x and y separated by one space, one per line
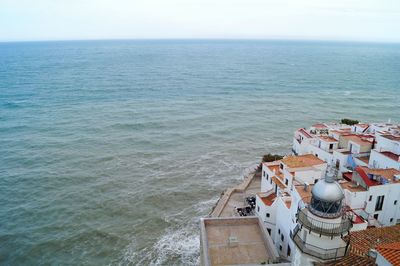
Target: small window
266 176
286 181
316 155
269 231
395 202
258 208
270 181
267 215
280 247
282 237
379 203
288 251
263 173
370 198
330 146
281 166
391 220
376 216
279 231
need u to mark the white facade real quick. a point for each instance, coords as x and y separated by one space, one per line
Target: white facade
285 188
381 160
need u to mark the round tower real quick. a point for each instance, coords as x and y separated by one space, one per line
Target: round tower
322 224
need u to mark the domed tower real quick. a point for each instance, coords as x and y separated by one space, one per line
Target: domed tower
321 224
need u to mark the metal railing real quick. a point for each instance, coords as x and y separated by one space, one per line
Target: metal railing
324 228
321 253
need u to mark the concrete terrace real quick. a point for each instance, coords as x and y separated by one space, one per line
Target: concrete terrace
235 241
235 197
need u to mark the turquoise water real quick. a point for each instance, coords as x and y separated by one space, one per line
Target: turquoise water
110 151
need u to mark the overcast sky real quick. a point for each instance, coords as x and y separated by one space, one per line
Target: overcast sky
355 20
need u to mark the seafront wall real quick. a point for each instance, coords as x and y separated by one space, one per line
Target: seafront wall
226 195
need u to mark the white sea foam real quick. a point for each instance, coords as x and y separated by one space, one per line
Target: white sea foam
181 244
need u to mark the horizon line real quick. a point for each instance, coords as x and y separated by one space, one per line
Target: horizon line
206 39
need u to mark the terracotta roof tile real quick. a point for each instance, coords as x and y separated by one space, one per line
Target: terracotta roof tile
362 241
391 252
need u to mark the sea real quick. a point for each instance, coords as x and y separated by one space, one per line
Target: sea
111 151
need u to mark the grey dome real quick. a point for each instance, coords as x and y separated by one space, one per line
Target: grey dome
327 191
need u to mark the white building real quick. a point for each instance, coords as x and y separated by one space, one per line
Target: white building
293 208
387 152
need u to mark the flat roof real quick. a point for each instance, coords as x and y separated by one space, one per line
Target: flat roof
273 167
353 187
306 134
267 200
362 125
391 155
319 125
387 173
235 240
391 137
305 195
358 139
278 182
328 139
305 160
364 159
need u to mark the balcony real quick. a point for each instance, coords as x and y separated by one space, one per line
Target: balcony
318 252
323 228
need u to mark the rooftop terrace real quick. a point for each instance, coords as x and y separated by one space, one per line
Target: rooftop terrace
235 241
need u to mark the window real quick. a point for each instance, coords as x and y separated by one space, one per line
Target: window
316 155
279 231
266 176
281 166
286 181
263 173
379 203
280 247
391 220
269 231
258 208
288 251
330 146
376 216
282 237
370 198
267 215
270 181
395 202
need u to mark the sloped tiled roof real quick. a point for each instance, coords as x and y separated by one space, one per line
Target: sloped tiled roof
362 241
391 252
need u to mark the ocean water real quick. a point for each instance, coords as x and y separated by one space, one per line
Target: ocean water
110 151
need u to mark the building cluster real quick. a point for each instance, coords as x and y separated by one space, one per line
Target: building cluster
340 180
